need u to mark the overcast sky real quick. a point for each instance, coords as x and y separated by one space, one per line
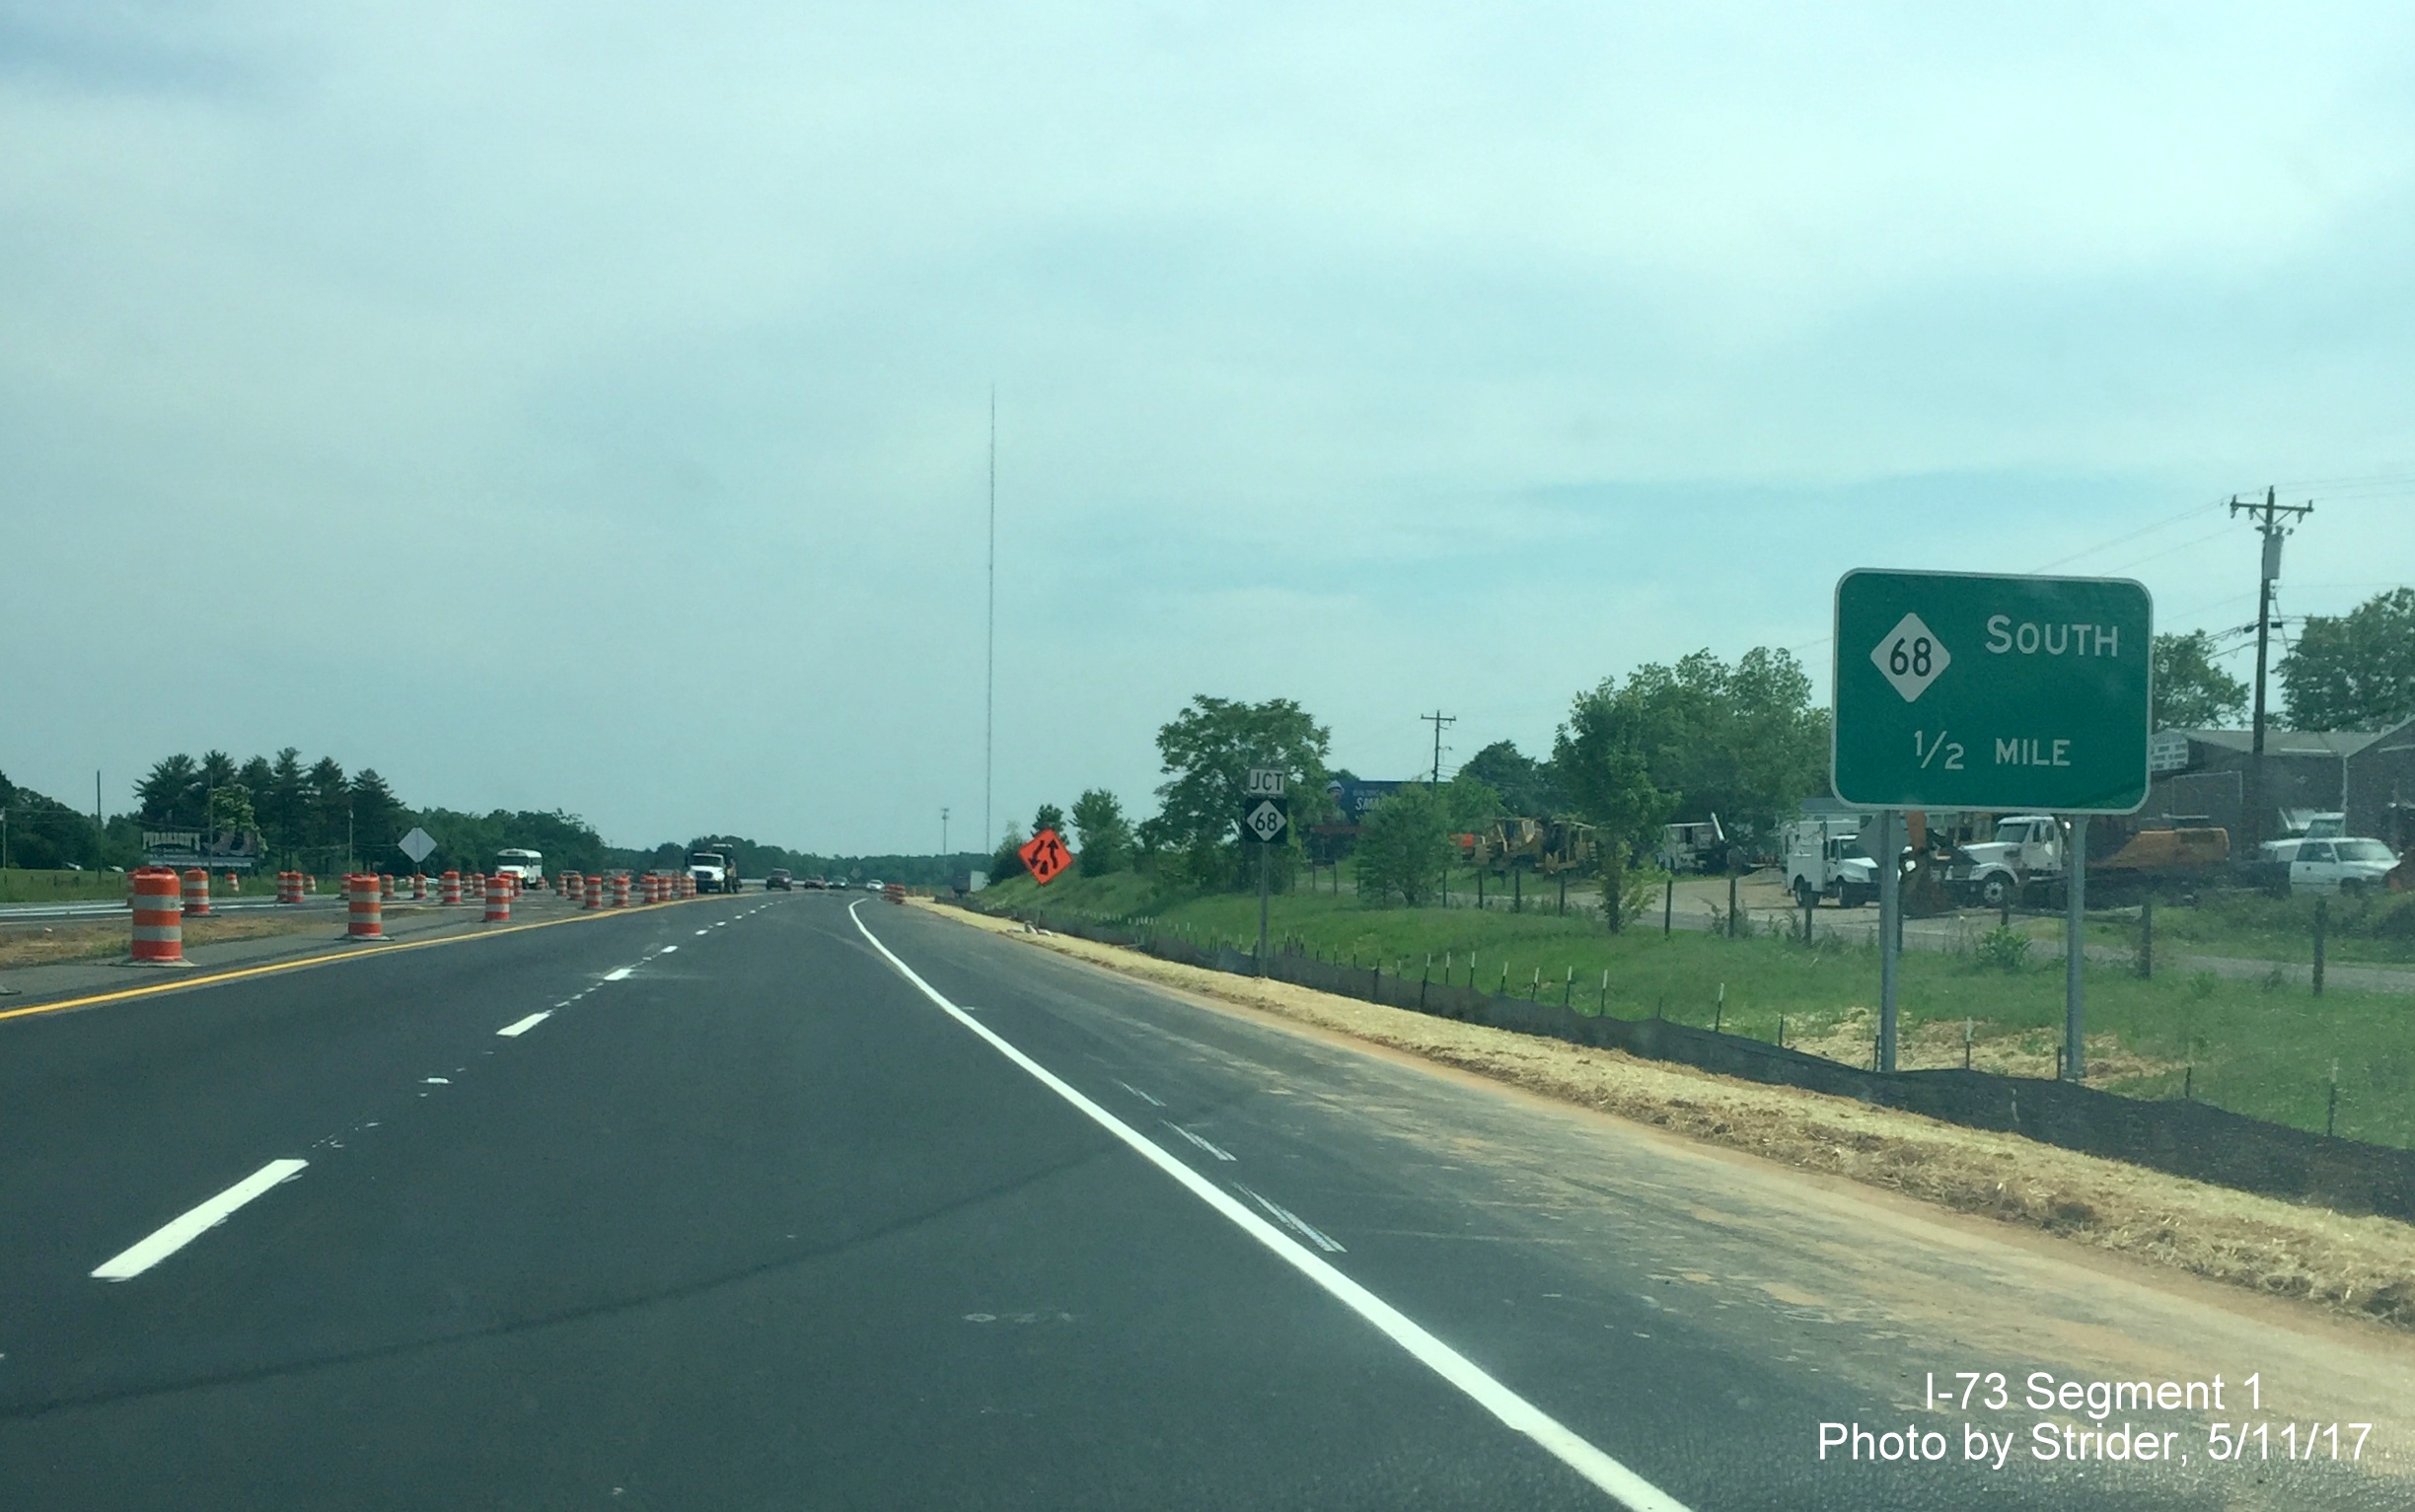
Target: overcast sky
586 405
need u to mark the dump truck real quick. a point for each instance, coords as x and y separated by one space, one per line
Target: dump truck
714 869
2024 863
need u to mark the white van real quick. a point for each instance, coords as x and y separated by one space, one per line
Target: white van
527 865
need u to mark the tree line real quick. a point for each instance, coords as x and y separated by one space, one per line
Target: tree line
1686 740
315 816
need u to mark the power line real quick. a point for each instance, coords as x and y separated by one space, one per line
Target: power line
2273 532
1438 719
2144 530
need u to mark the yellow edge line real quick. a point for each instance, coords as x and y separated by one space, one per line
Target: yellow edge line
188 984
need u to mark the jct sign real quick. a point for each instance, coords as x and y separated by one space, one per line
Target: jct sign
1960 692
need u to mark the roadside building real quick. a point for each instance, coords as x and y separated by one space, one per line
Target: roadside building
2200 777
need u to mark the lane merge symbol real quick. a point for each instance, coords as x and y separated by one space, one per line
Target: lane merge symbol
1044 856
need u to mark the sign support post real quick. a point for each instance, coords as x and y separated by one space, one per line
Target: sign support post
1992 694
1265 887
1265 816
1891 923
2075 932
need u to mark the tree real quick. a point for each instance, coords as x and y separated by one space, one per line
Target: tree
1470 803
2192 691
230 809
1740 742
1206 751
2353 670
1404 844
1006 861
1105 836
1602 754
327 797
1048 816
1526 786
171 793
377 817
285 818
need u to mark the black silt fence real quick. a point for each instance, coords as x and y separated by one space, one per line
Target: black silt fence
2184 1139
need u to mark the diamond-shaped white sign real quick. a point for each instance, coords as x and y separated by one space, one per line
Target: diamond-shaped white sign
1910 658
1266 822
417 844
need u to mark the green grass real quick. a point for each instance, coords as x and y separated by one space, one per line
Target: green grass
2373 929
2263 1050
18 886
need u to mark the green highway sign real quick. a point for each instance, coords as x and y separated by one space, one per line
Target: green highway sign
1955 690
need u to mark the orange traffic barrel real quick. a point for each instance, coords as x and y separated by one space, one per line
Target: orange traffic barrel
418 887
384 883
594 890
498 899
365 908
159 916
449 888
619 890
196 893
289 886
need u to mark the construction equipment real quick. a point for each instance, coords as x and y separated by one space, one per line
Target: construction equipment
2025 862
1550 847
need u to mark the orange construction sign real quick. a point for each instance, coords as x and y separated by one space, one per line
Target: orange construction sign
1044 856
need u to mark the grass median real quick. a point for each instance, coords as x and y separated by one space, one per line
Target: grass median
2265 1048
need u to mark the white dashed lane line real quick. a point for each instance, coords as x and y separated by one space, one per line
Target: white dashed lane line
1196 1139
168 1239
1291 1221
619 974
514 1030
1143 1096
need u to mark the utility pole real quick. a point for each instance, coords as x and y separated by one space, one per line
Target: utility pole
100 832
990 677
2267 518
1438 719
943 818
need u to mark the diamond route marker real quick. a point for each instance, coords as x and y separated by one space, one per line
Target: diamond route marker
1910 656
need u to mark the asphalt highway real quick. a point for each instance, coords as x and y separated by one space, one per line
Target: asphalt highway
799 1203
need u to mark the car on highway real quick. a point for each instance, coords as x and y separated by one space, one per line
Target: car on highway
777 879
814 884
873 886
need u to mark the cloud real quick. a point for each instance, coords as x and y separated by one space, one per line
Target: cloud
531 390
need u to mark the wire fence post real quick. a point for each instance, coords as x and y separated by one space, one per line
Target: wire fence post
2322 917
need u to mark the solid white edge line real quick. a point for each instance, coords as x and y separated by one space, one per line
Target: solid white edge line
515 1030
183 1230
1513 1410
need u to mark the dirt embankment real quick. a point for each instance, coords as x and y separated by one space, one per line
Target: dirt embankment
2362 1266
